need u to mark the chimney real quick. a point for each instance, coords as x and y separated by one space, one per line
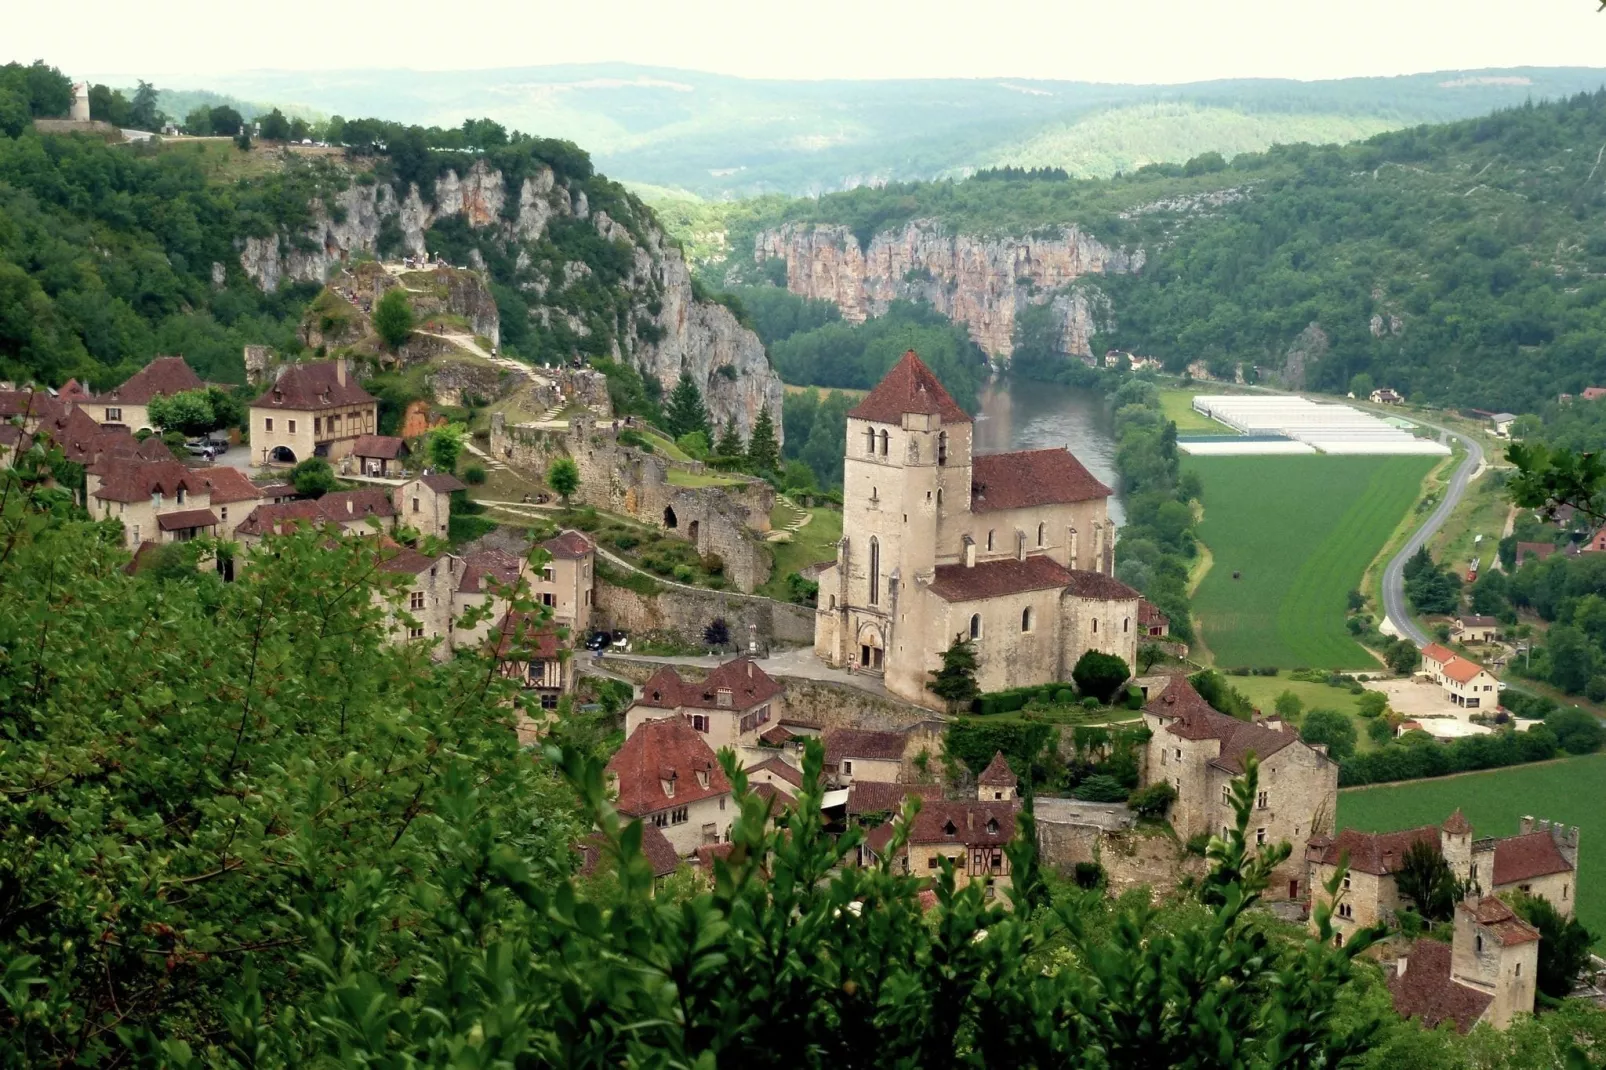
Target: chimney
1525 826
1400 964
970 818
340 370
970 552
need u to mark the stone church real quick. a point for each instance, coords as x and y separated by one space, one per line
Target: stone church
1014 551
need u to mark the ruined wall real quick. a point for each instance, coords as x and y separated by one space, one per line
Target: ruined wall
685 611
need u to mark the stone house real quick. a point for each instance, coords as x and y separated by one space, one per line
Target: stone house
655 847
732 707
426 609
352 511
1475 629
1541 860
666 776
313 410
1488 973
234 496
1012 551
379 455
128 405
998 782
425 504
853 754
1151 622
567 581
535 654
970 835
157 501
489 578
1200 752
1385 396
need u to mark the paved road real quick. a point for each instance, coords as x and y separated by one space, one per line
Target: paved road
1394 573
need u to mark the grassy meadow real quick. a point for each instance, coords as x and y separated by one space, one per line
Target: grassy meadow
1300 532
1569 791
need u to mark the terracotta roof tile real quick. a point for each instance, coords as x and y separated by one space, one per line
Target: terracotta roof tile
518 637
163 376
777 735
1521 858
991 579
442 482
975 824
748 684
776 767
1427 992
405 561
1457 824
30 405
1085 584
1508 928
843 743
1030 478
568 545
778 798
909 387
655 847
484 566
666 749
1440 654
1479 622
340 507
229 485
1378 853
188 518
380 447
1462 671
313 386
998 773
867 797
1189 716
129 480
1150 615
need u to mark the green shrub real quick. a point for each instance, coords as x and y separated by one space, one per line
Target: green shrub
625 541
1091 703
1152 801
1134 698
1064 696
474 475
1101 787
684 573
1089 875
1197 844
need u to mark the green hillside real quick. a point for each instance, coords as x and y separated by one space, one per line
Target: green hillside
1459 263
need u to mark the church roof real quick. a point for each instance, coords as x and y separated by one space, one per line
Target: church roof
1097 585
1030 478
992 579
909 387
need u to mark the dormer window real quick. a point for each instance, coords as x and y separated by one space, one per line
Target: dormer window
950 830
668 784
702 778
992 826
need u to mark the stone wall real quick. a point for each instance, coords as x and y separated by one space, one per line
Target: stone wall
684 612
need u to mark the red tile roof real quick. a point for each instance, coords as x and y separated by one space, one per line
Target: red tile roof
128 480
998 773
405 561
1378 853
666 749
568 545
1427 992
1440 654
229 485
866 797
313 386
1149 615
909 387
975 824
518 637
1188 716
775 766
655 847
483 566
163 376
30 405
1541 550
1462 671
1474 621
1521 858
1030 478
991 579
1097 585
843 743
1508 928
339 507
189 518
778 799
1457 824
442 482
380 447
777 735
748 684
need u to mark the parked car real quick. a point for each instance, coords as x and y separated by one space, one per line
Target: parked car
203 448
598 641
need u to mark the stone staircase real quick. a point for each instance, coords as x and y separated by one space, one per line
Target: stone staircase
788 531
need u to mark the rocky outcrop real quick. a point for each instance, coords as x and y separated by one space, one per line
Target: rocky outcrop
980 282
1306 351
667 328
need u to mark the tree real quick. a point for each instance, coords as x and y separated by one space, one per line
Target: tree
198 123
189 412
955 682
1402 656
1425 879
224 121
730 441
444 445
1572 660
393 317
1372 703
1149 654
1361 385
1564 944
1332 728
1379 730
313 478
1152 801
300 130
563 476
1100 675
143 113
1576 731
685 412
274 126
694 444
1289 706
14 114
763 453
717 633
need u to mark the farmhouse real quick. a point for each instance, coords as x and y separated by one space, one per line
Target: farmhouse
1475 629
1465 682
667 776
1014 552
313 410
1200 752
127 405
157 501
971 836
731 708
1488 973
1541 860
427 608
1386 396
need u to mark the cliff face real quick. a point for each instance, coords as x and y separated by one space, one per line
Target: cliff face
671 328
980 282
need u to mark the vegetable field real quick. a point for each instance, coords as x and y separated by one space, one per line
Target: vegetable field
1567 791
1299 532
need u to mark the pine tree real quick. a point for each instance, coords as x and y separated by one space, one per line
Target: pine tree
730 441
956 680
685 412
763 454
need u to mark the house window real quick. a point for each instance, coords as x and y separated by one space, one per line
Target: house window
875 571
548 574
989 541
1226 795
415 506
1179 754
334 425
549 701
885 438
223 513
1346 884
1126 625
847 767
292 427
415 601
415 632
1518 971
1260 837
942 447
1042 535
933 862
1338 939
869 441
660 820
181 495
1480 943
1346 911
548 599
1563 893
1263 800
115 415
269 423
317 425
1163 755
699 721
1026 620
677 816
975 625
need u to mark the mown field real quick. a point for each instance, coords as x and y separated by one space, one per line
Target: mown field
1300 532
1569 791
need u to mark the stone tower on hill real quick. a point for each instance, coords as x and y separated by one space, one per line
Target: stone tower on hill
1013 551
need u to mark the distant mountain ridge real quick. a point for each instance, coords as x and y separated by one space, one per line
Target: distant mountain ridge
718 136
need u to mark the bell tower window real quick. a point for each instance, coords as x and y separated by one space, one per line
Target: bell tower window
869 441
885 439
875 571
942 447
975 625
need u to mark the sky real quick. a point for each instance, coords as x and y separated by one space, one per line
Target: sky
1108 41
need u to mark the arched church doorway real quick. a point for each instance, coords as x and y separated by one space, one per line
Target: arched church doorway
871 654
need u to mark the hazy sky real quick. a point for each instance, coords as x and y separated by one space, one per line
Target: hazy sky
1112 40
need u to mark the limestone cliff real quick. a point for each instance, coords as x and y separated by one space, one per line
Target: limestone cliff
654 320
980 282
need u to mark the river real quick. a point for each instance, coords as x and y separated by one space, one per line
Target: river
1020 414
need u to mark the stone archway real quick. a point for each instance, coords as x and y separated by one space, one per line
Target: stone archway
282 455
871 648
692 530
670 520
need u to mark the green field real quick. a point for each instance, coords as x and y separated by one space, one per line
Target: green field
1568 791
1178 408
1300 532
1263 692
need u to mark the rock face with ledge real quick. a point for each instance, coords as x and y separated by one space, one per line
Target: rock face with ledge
725 359
980 282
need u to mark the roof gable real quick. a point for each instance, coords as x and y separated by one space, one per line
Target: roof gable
909 387
313 386
163 376
1030 478
998 773
748 684
665 750
991 579
1524 857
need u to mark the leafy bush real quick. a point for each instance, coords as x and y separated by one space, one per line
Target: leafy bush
474 475
684 573
1088 875
1577 732
1101 787
1332 728
1152 801
1064 696
1100 675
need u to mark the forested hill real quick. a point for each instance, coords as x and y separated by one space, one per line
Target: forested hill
1460 263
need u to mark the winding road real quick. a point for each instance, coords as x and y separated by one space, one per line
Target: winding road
1394 605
